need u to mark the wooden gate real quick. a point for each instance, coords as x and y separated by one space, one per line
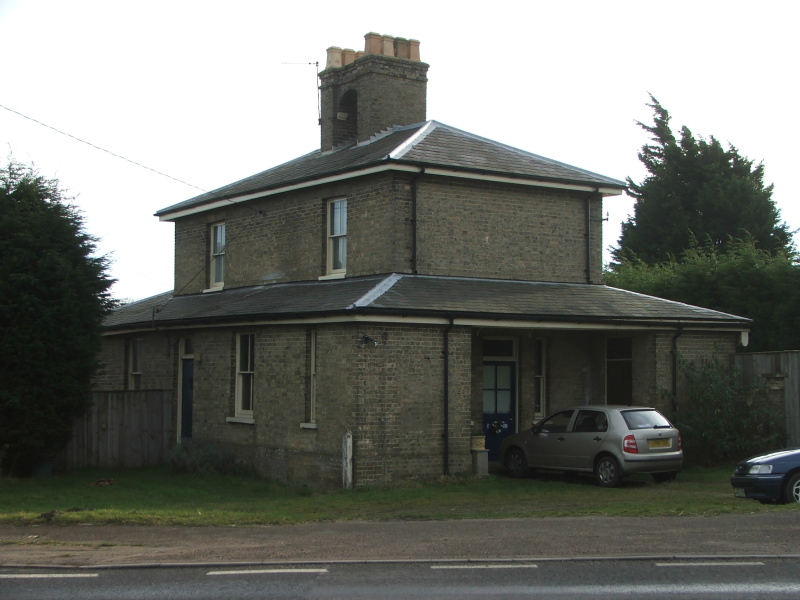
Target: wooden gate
121 429
778 370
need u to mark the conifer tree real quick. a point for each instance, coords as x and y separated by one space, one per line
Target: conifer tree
696 192
55 293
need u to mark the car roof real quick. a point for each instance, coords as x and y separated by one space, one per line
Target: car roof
607 407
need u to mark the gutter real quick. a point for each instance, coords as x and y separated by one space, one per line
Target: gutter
178 211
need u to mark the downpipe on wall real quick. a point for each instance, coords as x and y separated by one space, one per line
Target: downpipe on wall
446 400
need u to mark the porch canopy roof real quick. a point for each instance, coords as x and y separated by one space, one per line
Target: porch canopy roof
421 299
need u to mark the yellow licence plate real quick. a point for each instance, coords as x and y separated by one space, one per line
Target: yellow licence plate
658 443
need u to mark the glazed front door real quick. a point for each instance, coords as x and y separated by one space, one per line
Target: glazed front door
499 404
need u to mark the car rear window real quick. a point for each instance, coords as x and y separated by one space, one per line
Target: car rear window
645 419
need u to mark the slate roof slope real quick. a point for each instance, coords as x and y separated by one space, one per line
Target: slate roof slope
417 296
430 144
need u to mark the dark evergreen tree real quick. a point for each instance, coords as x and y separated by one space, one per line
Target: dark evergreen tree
696 192
54 295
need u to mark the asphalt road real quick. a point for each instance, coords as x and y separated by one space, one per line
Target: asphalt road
764 534
572 579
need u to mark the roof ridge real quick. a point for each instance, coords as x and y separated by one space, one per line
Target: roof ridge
376 292
412 141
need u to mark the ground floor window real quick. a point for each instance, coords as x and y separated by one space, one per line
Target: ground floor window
245 374
135 364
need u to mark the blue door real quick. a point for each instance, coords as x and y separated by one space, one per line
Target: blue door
499 404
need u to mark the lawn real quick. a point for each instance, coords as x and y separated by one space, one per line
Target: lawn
156 496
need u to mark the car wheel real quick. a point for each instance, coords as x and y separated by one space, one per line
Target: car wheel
665 477
516 465
792 493
607 471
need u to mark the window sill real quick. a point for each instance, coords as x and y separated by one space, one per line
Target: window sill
308 425
218 288
332 276
243 420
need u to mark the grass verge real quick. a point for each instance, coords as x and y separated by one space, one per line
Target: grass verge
156 496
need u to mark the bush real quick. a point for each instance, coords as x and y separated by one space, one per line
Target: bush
203 458
722 421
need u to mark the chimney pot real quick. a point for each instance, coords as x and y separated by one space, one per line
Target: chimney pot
413 50
334 58
372 43
401 47
388 45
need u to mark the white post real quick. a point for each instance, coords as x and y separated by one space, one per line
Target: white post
347 460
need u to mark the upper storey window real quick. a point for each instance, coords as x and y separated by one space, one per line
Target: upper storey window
337 236
217 263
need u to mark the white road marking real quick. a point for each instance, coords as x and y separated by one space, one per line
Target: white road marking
47 575
711 564
492 566
266 571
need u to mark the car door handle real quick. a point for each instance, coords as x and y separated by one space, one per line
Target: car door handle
597 438
561 439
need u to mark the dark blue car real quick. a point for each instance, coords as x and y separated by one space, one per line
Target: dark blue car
769 477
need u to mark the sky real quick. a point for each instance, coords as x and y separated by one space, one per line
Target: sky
173 97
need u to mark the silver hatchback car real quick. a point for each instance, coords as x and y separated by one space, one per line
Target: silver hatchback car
609 441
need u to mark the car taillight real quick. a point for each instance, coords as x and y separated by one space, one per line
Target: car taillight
680 441
629 445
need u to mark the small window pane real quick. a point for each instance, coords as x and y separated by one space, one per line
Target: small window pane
488 377
219 268
218 239
247 391
339 248
504 377
338 217
489 404
503 401
246 359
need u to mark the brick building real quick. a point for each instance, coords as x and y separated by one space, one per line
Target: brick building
409 283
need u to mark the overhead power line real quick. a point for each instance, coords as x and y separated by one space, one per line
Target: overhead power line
16 112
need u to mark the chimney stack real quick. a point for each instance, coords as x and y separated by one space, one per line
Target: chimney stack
365 92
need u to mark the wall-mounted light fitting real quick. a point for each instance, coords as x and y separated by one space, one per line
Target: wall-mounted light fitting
365 341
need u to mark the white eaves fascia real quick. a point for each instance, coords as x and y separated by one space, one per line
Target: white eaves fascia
522 180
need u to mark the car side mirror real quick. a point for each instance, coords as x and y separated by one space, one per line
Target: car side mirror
536 428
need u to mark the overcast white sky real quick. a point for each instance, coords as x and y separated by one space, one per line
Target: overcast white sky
202 91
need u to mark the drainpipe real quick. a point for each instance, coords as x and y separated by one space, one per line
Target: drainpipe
588 222
446 400
414 219
675 368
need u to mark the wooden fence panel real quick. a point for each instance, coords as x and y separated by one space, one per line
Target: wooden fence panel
121 429
778 368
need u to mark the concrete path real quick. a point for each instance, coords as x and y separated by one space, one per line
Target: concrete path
762 534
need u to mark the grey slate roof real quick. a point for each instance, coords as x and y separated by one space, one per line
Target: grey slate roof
419 296
430 144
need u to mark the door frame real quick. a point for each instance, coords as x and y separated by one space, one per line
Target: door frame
509 359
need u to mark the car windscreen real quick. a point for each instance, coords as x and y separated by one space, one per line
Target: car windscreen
645 419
